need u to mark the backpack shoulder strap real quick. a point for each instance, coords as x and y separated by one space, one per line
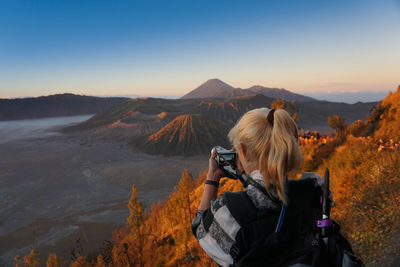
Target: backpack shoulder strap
241 207
250 219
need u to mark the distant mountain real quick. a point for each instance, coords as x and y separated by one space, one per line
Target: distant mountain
349 97
211 89
54 106
227 111
279 94
185 135
216 88
312 115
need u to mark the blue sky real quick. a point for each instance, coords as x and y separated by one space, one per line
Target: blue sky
170 47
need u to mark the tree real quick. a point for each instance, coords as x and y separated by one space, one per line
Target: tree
356 129
281 104
135 209
121 257
178 214
278 104
106 251
80 262
185 187
338 124
17 260
100 261
54 261
295 117
135 222
30 260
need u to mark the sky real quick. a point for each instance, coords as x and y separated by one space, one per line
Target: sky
171 47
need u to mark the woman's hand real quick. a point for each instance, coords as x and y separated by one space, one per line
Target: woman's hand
214 172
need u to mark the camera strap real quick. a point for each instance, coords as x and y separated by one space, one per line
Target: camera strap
231 171
254 183
248 180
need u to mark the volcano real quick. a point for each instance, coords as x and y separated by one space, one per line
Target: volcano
186 135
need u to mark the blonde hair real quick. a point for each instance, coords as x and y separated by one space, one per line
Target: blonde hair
275 145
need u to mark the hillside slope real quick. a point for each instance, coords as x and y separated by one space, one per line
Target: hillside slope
389 120
185 135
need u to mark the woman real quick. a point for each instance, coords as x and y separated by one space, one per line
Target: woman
267 145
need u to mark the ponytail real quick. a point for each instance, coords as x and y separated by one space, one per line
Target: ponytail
271 136
280 153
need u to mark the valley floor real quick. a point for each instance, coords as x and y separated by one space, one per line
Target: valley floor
61 188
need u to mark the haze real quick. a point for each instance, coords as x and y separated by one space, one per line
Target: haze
36 128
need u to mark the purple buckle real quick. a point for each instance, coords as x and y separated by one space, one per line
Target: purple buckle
324 223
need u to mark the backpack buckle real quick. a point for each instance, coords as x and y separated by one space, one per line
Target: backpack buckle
324 223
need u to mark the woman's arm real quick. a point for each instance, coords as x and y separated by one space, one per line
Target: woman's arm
214 174
211 234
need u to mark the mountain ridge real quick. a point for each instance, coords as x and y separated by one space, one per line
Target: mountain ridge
215 88
66 104
312 115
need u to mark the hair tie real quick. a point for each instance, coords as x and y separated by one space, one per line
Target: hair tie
270 117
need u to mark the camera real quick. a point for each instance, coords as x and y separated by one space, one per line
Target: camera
225 157
227 161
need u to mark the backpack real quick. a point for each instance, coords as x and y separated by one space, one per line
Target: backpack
300 234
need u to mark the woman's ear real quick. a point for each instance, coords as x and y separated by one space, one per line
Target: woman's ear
243 150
